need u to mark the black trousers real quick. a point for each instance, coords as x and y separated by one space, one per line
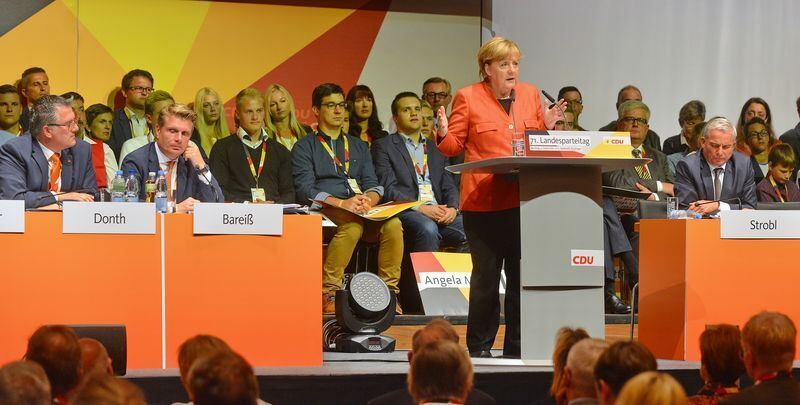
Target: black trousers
494 239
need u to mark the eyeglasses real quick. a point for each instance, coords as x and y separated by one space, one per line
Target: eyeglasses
141 89
68 124
760 134
331 106
578 101
434 95
632 120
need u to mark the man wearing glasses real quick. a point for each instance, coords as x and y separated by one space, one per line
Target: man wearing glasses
574 100
627 93
716 178
335 168
130 121
48 166
437 92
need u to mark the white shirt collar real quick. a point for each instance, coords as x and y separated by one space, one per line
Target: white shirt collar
47 152
252 143
162 158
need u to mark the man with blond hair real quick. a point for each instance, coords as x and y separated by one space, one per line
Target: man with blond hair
768 343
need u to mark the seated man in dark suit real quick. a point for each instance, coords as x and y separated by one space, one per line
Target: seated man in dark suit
411 168
716 177
189 178
768 342
436 330
792 137
48 165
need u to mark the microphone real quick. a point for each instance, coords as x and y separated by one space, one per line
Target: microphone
737 199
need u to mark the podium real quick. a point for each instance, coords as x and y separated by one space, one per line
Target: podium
561 225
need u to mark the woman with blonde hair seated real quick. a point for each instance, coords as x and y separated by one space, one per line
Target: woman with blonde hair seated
652 388
282 124
211 124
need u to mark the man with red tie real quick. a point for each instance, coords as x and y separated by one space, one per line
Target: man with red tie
48 166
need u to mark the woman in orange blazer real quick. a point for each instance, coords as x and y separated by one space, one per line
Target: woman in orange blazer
484 119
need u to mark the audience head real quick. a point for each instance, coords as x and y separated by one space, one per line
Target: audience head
56 349
223 378
10 107
574 99
53 123
34 84
690 115
634 117
441 372
195 348
210 114
329 106
721 355
652 388
498 65
798 105
437 92
154 103
107 390
24 383
758 136
281 109
693 138
627 93
94 359
755 107
618 364
768 342
782 161
136 86
76 101
435 330
346 123
250 111
406 110
99 121
174 129
428 118
565 338
718 141
362 104
578 376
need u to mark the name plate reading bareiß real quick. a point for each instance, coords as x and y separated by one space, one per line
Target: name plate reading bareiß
764 224
238 219
109 217
12 216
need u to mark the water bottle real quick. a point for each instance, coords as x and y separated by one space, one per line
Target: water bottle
118 188
161 192
150 187
132 187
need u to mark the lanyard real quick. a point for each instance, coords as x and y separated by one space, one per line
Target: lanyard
256 175
777 189
771 376
424 168
346 167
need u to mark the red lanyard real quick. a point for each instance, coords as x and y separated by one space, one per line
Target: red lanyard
346 167
256 175
777 189
424 168
771 376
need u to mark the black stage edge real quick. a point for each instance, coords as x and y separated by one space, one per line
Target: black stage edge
420 320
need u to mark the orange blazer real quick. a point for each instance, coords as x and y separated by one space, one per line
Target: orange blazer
480 126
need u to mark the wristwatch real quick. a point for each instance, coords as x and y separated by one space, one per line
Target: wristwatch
205 170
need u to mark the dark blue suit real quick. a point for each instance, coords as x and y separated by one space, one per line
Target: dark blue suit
145 159
397 175
24 174
120 132
694 181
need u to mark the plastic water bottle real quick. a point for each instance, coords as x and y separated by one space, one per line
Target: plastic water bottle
132 187
161 192
118 188
150 187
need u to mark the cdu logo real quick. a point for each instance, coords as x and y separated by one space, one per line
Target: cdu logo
586 258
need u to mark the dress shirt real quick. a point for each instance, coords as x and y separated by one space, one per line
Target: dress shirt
163 164
417 153
47 154
247 139
723 206
139 126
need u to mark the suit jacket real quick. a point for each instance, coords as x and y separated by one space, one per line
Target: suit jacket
145 159
481 127
397 175
694 181
780 390
627 178
758 175
24 174
673 145
792 137
120 131
403 397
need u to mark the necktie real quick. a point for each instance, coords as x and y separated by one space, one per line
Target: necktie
642 169
717 183
170 170
55 172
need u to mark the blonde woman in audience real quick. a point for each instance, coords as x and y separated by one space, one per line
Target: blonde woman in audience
652 388
565 338
282 124
211 124
720 364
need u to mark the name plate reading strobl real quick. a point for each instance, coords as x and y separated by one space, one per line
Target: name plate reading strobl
238 219
764 224
12 216
109 217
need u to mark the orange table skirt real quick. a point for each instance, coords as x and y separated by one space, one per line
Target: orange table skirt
259 293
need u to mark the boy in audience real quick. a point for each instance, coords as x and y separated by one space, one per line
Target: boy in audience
777 187
619 363
10 110
33 85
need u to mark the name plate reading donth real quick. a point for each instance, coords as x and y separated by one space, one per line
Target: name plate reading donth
238 219
12 216
765 224
109 217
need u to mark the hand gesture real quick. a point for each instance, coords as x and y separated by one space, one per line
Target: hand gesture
192 154
441 119
552 115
